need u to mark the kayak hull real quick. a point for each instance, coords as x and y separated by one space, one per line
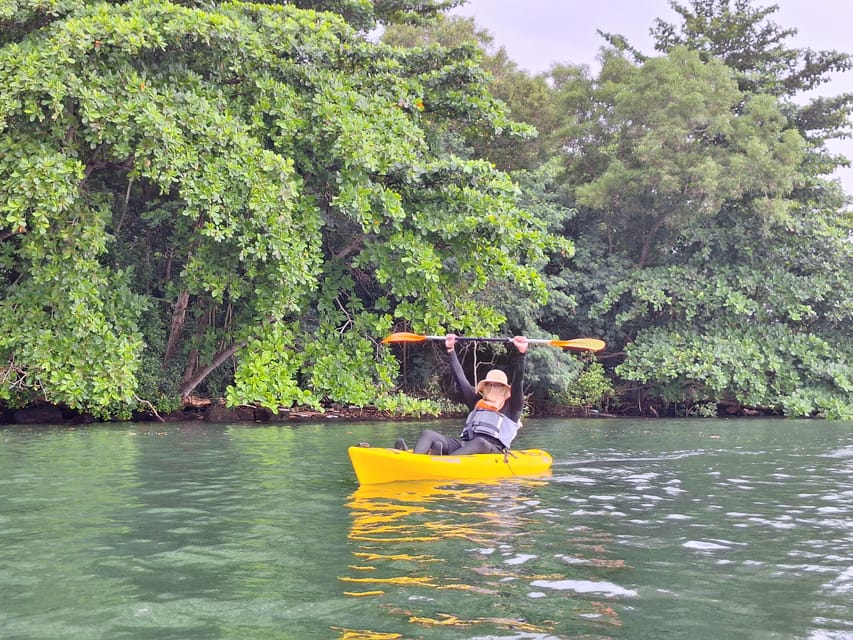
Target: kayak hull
376 465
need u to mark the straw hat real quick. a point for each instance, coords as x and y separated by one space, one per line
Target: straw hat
495 376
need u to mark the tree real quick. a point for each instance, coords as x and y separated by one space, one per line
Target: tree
529 98
748 42
180 185
665 144
745 322
526 154
744 299
368 15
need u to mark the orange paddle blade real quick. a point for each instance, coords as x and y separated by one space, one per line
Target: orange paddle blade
587 344
404 337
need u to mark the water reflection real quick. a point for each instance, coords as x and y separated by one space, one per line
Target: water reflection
418 546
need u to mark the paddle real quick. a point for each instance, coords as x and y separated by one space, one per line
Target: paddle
588 344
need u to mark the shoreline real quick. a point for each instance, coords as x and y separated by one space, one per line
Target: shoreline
216 413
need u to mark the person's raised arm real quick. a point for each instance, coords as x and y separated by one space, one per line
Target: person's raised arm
469 394
516 400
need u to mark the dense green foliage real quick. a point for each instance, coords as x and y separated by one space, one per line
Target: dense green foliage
179 185
720 197
239 199
712 249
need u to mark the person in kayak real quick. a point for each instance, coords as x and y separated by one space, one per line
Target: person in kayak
495 410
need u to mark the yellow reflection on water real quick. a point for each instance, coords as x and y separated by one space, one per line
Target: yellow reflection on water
396 527
352 634
449 620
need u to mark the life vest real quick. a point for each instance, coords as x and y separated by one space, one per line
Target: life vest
486 420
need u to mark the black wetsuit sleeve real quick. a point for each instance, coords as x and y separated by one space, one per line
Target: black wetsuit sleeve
515 406
469 394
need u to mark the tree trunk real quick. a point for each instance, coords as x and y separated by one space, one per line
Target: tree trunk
202 373
647 243
179 316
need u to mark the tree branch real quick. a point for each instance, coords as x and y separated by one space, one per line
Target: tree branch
352 246
647 243
201 374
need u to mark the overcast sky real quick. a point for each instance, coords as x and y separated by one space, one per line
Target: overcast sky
538 33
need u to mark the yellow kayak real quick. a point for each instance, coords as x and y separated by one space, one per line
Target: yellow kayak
374 465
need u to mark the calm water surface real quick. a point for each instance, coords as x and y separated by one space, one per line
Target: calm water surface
644 530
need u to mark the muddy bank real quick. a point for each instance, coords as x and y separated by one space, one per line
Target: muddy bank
217 413
211 413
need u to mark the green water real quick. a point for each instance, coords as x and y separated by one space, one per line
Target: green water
645 530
